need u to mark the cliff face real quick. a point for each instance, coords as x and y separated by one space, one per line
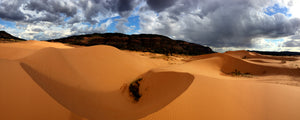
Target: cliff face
142 42
5 37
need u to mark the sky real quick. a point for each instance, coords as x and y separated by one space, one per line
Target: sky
268 25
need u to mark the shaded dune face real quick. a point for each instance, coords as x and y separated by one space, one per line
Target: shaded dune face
160 88
22 99
86 94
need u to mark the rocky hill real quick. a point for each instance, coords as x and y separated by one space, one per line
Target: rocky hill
143 42
6 37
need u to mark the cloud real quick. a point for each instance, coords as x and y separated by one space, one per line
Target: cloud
47 19
80 28
293 41
37 30
121 27
218 23
9 10
160 5
30 11
52 6
2 26
106 8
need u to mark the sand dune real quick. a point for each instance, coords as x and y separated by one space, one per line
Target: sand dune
97 80
13 51
245 54
215 64
95 83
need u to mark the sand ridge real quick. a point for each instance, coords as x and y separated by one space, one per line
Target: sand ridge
18 50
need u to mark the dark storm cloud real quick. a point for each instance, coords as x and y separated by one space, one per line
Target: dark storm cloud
106 7
13 10
47 17
219 23
52 6
13 16
9 10
75 19
240 28
122 7
125 5
160 5
57 10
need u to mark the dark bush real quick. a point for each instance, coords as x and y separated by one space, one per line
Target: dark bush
134 89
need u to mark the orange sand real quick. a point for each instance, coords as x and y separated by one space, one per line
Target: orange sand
47 81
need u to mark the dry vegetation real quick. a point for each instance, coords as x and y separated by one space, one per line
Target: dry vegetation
134 89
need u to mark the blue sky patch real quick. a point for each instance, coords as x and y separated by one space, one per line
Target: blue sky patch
274 40
112 27
134 24
277 9
7 23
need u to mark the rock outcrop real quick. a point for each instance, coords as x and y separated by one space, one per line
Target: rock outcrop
143 42
6 37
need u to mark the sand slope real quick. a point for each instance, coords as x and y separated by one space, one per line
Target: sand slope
41 80
22 99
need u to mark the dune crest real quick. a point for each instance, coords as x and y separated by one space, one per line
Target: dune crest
19 50
33 44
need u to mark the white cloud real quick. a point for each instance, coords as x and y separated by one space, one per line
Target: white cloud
2 26
295 8
103 27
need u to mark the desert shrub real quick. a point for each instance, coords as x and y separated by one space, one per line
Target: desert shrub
239 73
236 72
134 89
